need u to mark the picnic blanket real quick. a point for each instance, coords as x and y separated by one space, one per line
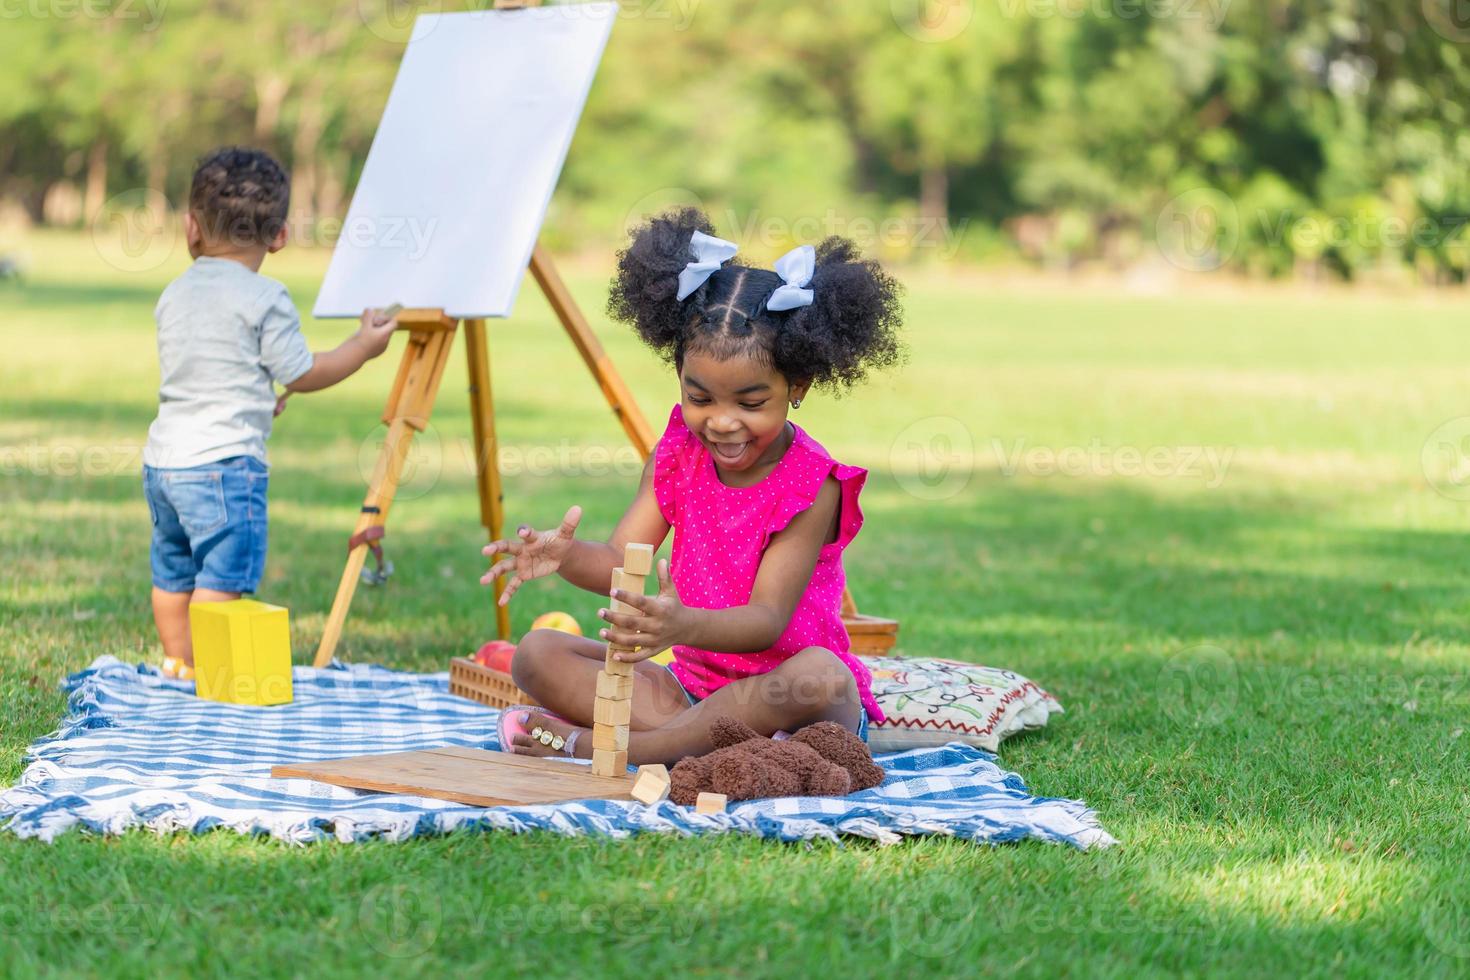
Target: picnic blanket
139 750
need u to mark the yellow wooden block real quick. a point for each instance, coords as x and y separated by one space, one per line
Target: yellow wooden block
638 559
710 803
606 712
606 762
652 784
614 737
614 687
242 652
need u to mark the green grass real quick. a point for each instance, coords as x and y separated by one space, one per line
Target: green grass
1266 676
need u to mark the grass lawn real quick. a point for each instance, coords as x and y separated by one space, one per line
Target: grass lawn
1263 649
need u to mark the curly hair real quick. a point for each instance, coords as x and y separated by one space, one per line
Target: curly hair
240 196
850 328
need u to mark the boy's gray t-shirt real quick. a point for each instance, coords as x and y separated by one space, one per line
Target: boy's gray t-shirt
225 334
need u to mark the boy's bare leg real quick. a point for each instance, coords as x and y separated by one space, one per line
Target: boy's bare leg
171 616
811 686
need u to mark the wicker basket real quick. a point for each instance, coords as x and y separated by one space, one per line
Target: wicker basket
871 636
477 682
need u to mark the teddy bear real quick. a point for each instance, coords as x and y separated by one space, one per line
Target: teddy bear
823 759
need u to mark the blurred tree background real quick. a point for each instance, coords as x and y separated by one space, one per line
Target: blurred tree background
1308 138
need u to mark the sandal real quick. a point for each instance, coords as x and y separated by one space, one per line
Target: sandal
177 669
566 745
513 722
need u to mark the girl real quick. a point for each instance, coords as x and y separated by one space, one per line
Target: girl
761 513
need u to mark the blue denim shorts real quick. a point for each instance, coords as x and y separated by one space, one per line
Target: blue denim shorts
862 731
209 525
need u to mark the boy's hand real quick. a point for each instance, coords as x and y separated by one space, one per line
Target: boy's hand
660 622
280 404
374 332
533 554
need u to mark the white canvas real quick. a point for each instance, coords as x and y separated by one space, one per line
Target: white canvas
465 160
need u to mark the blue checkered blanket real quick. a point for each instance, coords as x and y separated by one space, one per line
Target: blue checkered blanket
139 750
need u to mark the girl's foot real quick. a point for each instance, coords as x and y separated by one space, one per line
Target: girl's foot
562 732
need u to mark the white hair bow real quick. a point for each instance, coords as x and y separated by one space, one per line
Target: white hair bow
795 268
709 254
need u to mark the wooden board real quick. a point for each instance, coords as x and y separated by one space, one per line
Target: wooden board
473 776
470 146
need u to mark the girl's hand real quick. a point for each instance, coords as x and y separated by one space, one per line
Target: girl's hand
660 622
533 554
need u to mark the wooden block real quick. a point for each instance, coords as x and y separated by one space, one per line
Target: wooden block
613 709
608 763
626 582
635 584
638 559
612 737
606 712
652 784
614 687
242 652
709 803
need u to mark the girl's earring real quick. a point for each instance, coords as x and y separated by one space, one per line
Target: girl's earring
796 403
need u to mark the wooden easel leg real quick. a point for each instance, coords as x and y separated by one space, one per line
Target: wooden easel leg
384 484
587 344
487 462
409 405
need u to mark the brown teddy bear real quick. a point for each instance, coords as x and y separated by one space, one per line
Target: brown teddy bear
824 759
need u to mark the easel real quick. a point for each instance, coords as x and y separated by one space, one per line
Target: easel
411 401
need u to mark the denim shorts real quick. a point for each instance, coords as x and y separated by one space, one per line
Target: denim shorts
209 525
862 731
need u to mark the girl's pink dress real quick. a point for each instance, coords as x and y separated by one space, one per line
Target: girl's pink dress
720 535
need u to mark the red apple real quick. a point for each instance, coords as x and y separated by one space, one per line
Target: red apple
496 655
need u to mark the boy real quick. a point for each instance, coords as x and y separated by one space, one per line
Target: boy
226 335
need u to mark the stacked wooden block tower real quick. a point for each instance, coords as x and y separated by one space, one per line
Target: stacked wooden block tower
613 709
